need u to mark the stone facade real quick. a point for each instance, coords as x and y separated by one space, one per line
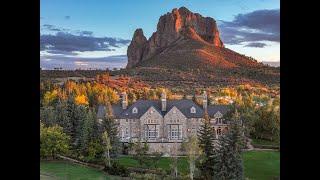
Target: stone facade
166 128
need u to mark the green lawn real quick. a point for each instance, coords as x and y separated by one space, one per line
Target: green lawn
259 165
64 170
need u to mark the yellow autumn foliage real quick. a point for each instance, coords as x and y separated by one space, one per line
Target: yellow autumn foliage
81 100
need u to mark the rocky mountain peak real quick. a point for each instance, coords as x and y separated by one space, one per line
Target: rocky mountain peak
178 24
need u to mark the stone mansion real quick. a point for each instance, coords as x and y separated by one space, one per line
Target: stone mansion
163 123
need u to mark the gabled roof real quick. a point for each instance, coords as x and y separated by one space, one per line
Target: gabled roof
143 106
213 109
184 105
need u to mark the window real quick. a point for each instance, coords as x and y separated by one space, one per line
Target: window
219 120
127 131
174 111
152 133
135 110
193 110
127 120
151 121
175 133
219 131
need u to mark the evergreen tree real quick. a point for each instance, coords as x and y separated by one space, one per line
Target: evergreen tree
86 131
228 161
48 115
79 122
71 108
63 117
206 137
112 129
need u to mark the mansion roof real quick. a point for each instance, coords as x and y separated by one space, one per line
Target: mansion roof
184 105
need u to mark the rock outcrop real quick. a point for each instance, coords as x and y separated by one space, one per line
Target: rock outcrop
136 48
173 27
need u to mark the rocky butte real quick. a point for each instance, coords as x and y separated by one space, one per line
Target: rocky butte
187 46
180 23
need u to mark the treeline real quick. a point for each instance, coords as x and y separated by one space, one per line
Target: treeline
97 92
80 126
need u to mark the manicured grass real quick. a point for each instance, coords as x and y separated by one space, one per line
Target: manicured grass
164 163
257 164
264 142
64 170
261 165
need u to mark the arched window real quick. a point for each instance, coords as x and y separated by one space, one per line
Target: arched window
135 110
193 110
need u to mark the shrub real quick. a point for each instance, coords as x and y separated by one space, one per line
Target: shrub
117 169
53 141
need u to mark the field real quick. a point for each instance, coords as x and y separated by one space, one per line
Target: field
261 165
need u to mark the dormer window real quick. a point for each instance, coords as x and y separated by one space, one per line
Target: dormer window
193 110
135 110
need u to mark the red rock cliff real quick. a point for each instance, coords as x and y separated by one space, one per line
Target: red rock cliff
180 23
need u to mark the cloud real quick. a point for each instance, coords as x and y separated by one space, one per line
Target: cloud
50 27
55 61
67 42
260 25
67 17
256 45
72 49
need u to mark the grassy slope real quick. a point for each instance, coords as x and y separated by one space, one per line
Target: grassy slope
59 170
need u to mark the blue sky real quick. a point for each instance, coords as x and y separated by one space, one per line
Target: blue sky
118 19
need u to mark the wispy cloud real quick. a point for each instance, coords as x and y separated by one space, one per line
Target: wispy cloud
256 45
65 47
260 25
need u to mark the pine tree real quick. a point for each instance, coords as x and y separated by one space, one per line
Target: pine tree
228 161
79 120
206 137
112 129
86 126
63 117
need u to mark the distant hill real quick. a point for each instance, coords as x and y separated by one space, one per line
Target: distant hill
187 49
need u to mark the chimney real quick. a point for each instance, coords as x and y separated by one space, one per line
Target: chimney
204 100
124 100
163 101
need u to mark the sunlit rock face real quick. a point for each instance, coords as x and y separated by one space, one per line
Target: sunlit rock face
173 27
